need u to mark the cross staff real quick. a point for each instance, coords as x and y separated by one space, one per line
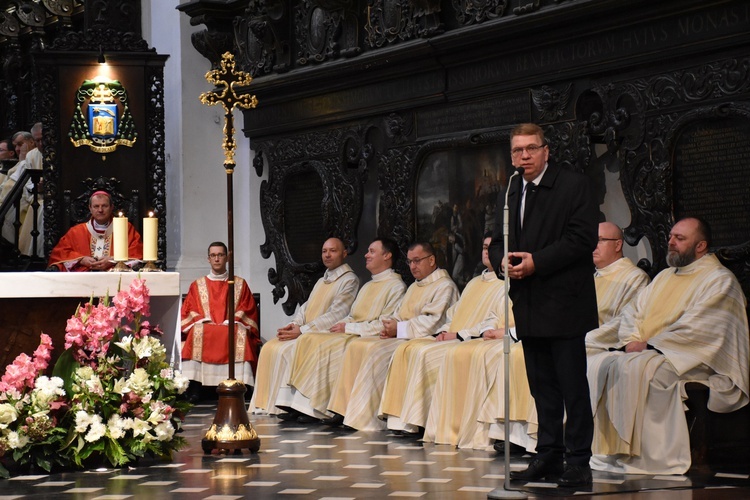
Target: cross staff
226 79
231 429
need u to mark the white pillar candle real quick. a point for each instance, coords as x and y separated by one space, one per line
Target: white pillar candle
150 237
120 238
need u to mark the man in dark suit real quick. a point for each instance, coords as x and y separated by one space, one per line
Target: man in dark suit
553 224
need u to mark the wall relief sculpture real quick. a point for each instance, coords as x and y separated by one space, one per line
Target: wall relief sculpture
630 98
325 172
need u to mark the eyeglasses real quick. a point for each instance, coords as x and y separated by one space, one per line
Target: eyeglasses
418 260
608 239
216 255
531 149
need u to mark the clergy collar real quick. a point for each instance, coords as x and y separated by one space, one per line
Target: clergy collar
218 277
100 228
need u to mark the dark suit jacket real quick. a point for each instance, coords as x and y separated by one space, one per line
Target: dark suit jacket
560 231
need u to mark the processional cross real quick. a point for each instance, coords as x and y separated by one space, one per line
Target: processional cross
231 429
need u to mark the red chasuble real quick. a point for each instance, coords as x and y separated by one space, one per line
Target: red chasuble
82 240
203 315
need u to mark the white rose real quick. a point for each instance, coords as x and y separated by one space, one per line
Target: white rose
8 415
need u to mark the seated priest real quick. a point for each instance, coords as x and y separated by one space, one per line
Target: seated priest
359 387
319 355
688 325
205 352
88 246
478 365
415 365
329 302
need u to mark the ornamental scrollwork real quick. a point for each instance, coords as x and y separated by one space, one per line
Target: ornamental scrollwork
478 11
340 159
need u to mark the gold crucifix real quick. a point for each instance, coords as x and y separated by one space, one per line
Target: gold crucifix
229 79
231 429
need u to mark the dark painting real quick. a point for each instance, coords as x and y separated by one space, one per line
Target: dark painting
456 196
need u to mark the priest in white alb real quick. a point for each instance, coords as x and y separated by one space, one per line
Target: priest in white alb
319 355
416 364
359 387
330 301
688 325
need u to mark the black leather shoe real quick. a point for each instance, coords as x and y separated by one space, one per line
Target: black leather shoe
307 419
539 470
575 476
499 447
334 421
290 416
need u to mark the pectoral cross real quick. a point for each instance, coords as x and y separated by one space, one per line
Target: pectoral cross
227 80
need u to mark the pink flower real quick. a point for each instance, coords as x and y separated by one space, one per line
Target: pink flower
139 297
43 353
19 374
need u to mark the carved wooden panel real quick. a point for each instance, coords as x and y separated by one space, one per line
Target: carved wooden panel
618 88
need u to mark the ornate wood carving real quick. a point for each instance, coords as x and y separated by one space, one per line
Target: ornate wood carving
605 100
261 36
477 11
156 168
325 153
325 31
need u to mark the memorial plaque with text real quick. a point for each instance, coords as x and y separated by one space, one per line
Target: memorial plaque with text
712 177
303 216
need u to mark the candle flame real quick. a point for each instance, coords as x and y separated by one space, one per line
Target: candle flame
151 214
119 214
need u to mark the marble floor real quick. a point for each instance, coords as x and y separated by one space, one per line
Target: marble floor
312 461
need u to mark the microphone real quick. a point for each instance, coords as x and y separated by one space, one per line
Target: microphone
516 171
506 337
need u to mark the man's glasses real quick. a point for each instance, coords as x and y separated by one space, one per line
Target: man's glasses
418 260
216 255
531 149
608 239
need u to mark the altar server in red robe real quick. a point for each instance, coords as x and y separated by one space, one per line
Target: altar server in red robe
205 352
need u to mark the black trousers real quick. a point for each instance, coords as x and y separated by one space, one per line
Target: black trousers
556 368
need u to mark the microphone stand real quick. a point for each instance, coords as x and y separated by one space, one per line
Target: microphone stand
506 491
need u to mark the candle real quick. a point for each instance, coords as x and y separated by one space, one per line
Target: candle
150 237
120 238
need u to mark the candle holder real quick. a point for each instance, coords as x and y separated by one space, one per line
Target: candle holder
150 267
121 267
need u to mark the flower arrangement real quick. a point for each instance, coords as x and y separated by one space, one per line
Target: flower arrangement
112 394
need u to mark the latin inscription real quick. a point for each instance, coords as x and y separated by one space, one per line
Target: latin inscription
475 115
662 34
712 177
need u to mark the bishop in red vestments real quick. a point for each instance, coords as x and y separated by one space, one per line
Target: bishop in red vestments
88 246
